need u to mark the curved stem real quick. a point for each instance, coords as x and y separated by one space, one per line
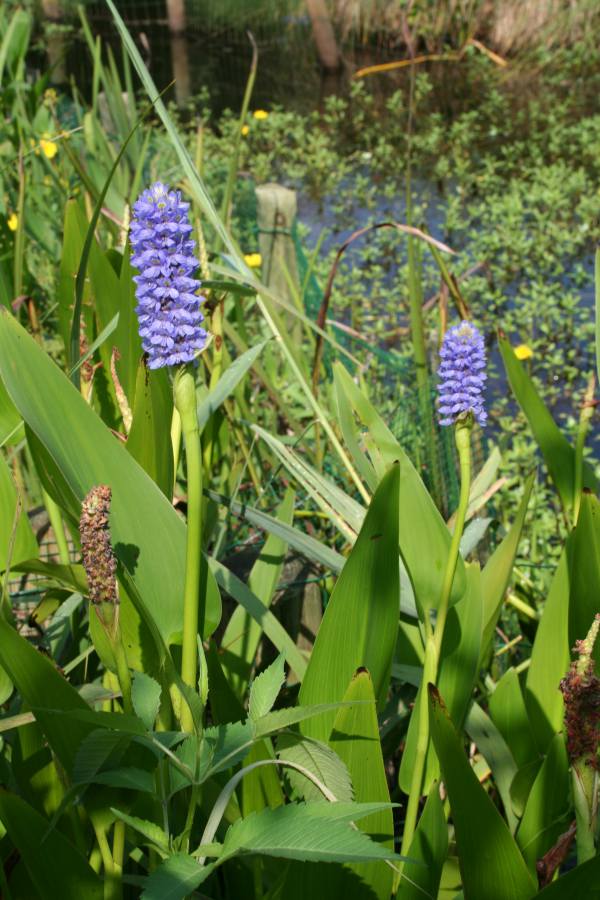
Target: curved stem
185 401
434 640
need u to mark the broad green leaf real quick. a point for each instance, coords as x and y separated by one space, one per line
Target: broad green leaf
265 689
361 619
322 761
152 832
496 574
428 849
147 533
549 660
55 866
352 437
127 339
128 777
145 696
17 540
11 423
558 454
458 671
546 813
509 714
490 862
490 743
149 440
421 525
227 383
242 635
355 739
42 688
583 554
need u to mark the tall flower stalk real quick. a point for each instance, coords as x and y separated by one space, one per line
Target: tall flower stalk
171 329
460 403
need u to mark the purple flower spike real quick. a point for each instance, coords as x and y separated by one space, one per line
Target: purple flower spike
168 307
462 375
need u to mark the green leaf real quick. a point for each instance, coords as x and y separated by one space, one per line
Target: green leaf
355 739
283 718
149 440
583 554
321 760
176 878
549 660
264 690
148 535
361 619
242 635
271 626
308 832
150 830
11 423
558 454
490 862
55 866
420 525
458 671
126 338
546 814
496 753
16 543
428 849
497 572
42 686
227 383
145 696
509 714
129 778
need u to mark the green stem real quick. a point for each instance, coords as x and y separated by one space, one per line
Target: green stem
176 443
118 851
434 641
585 797
185 402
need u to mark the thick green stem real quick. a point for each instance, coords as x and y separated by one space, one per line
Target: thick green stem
434 641
185 401
585 797
118 852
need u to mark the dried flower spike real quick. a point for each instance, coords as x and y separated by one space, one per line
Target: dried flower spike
581 691
462 375
98 557
168 307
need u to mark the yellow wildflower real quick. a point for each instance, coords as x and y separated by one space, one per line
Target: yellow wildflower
523 352
260 114
245 130
254 260
50 96
49 147
13 221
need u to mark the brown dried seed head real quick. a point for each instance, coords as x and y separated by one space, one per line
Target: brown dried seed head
98 557
581 691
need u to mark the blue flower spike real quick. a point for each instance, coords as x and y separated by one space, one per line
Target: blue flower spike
168 310
462 376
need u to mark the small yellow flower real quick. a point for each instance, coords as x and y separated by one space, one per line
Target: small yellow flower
260 114
49 147
50 96
13 221
523 352
254 260
245 130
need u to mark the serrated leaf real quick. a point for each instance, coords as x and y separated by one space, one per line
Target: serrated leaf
319 759
264 690
176 878
127 777
145 696
150 830
309 832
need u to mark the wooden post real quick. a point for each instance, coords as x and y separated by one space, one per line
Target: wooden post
181 68
52 9
176 15
324 36
276 214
